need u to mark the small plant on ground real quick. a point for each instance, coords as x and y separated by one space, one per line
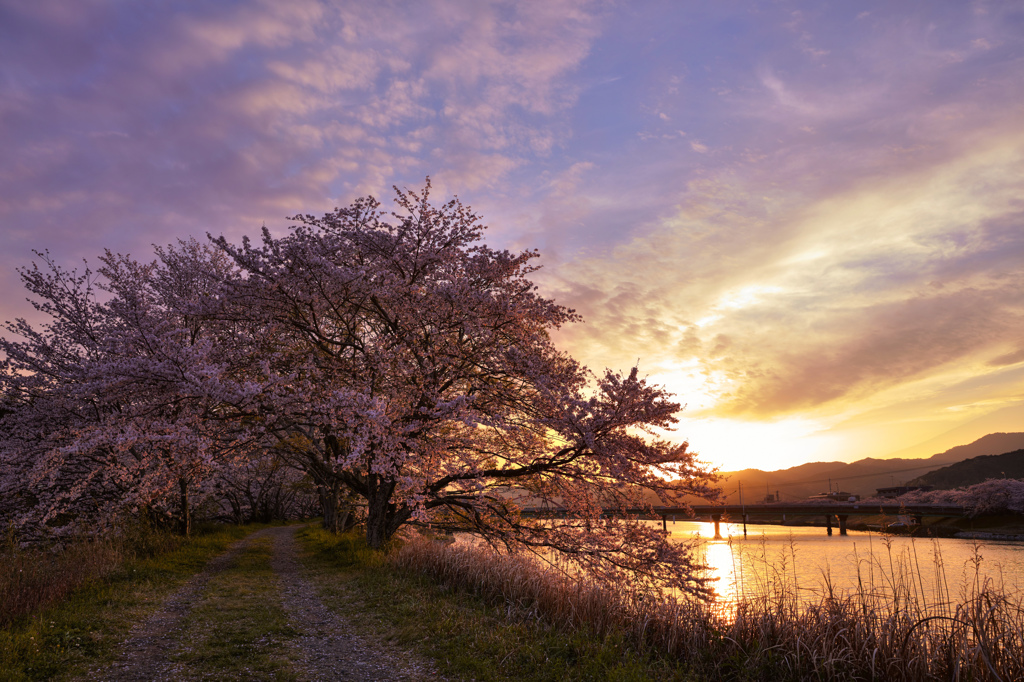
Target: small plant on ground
884 632
239 629
83 630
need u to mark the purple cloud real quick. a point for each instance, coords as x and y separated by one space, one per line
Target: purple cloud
807 207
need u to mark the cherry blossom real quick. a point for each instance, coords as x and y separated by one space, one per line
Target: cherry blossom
413 367
392 360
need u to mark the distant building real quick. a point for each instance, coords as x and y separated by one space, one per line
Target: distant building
836 496
897 490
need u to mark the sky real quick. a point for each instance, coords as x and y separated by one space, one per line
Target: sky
806 219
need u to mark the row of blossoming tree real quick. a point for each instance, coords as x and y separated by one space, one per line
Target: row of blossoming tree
390 359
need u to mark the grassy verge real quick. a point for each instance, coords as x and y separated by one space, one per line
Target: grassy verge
32 579
492 617
468 636
83 631
239 630
888 631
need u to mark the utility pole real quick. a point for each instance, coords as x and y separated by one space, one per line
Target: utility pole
743 510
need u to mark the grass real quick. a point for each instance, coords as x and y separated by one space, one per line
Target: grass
239 630
468 637
32 579
492 617
886 630
485 617
80 623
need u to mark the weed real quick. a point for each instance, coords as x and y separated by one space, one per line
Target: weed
83 629
239 629
888 631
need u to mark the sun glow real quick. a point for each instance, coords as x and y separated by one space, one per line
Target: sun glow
733 444
747 296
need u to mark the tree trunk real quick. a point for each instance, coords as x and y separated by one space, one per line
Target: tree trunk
329 493
329 502
382 519
377 498
346 521
186 518
377 524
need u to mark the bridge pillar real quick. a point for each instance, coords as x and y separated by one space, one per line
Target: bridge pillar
842 524
828 524
718 530
664 523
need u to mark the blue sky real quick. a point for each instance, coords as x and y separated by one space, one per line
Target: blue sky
805 218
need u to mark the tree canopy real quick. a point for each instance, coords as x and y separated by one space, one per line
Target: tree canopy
401 365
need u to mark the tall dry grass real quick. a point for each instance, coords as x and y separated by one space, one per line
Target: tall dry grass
885 630
34 578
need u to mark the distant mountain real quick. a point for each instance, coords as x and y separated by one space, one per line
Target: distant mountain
862 477
1005 420
992 444
975 470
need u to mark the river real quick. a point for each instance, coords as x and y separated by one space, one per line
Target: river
805 561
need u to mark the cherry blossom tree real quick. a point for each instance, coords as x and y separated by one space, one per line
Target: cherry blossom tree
262 488
994 496
413 368
402 365
112 406
40 372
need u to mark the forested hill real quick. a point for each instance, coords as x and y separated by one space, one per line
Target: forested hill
863 476
975 470
992 444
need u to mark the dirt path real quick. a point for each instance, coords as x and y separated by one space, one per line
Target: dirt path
326 648
330 649
145 654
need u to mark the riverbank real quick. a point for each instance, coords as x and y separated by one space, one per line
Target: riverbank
887 627
1002 527
430 610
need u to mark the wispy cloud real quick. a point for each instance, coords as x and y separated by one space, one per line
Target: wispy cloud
824 304
233 111
800 215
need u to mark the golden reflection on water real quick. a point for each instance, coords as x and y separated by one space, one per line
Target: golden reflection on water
719 558
717 555
796 563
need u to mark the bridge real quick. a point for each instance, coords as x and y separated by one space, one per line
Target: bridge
839 511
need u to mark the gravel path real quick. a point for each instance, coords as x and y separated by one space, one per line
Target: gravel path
328 648
145 654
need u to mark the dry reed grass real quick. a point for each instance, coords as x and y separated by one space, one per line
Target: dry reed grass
884 631
32 579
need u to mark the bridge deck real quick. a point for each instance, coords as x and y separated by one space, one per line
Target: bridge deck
836 508
738 511
841 511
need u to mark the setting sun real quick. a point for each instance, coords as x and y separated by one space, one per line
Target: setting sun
733 444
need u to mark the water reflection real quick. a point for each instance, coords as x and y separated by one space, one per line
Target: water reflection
718 555
804 562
